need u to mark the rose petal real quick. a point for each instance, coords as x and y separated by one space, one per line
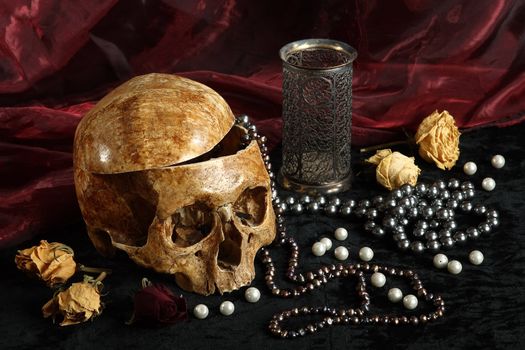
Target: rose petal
396 170
379 156
53 263
157 305
147 307
77 304
438 140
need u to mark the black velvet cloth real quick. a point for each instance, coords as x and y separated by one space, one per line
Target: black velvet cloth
485 305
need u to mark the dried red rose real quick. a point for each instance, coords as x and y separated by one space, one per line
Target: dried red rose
156 305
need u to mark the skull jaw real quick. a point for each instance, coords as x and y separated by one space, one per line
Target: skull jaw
215 264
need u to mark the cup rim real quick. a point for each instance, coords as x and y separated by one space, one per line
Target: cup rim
299 45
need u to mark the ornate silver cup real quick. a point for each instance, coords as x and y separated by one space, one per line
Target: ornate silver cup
317 116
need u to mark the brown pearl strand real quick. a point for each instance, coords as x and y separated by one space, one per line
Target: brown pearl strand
333 316
311 280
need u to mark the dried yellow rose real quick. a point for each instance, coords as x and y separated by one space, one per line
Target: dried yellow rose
51 262
77 304
438 139
394 169
378 157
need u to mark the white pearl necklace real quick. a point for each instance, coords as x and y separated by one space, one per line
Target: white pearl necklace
327 242
227 308
410 302
378 279
395 295
470 168
440 261
252 295
201 311
341 253
454 267
366 254
341 234
498 161
318 249
488 184
476 257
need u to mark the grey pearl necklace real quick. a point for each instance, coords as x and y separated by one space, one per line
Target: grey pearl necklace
311 280
418 218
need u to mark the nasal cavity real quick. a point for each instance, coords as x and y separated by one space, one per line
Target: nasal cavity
230 251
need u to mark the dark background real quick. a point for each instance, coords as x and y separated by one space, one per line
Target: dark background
57 58
485 305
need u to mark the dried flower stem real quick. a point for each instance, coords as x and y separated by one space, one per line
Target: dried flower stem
384 145
131 320
146 282
87 269
101 277
62 247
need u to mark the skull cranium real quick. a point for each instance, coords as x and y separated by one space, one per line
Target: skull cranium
160 173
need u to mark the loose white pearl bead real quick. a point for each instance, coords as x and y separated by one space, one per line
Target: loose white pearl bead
395 295
488 184
200 311
227 308
341 253
476 257
470 168
498 161
318 249
341 234
366 254
327 242
252 295
378 279
410 302
454 267
440 261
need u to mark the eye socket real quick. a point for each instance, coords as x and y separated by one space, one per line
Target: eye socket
250 207
191 224
126 206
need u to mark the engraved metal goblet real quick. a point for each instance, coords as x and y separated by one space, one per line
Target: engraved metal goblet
317 116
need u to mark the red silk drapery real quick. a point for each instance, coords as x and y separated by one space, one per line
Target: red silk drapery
58 57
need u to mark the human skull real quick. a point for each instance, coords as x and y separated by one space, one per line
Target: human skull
161 173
